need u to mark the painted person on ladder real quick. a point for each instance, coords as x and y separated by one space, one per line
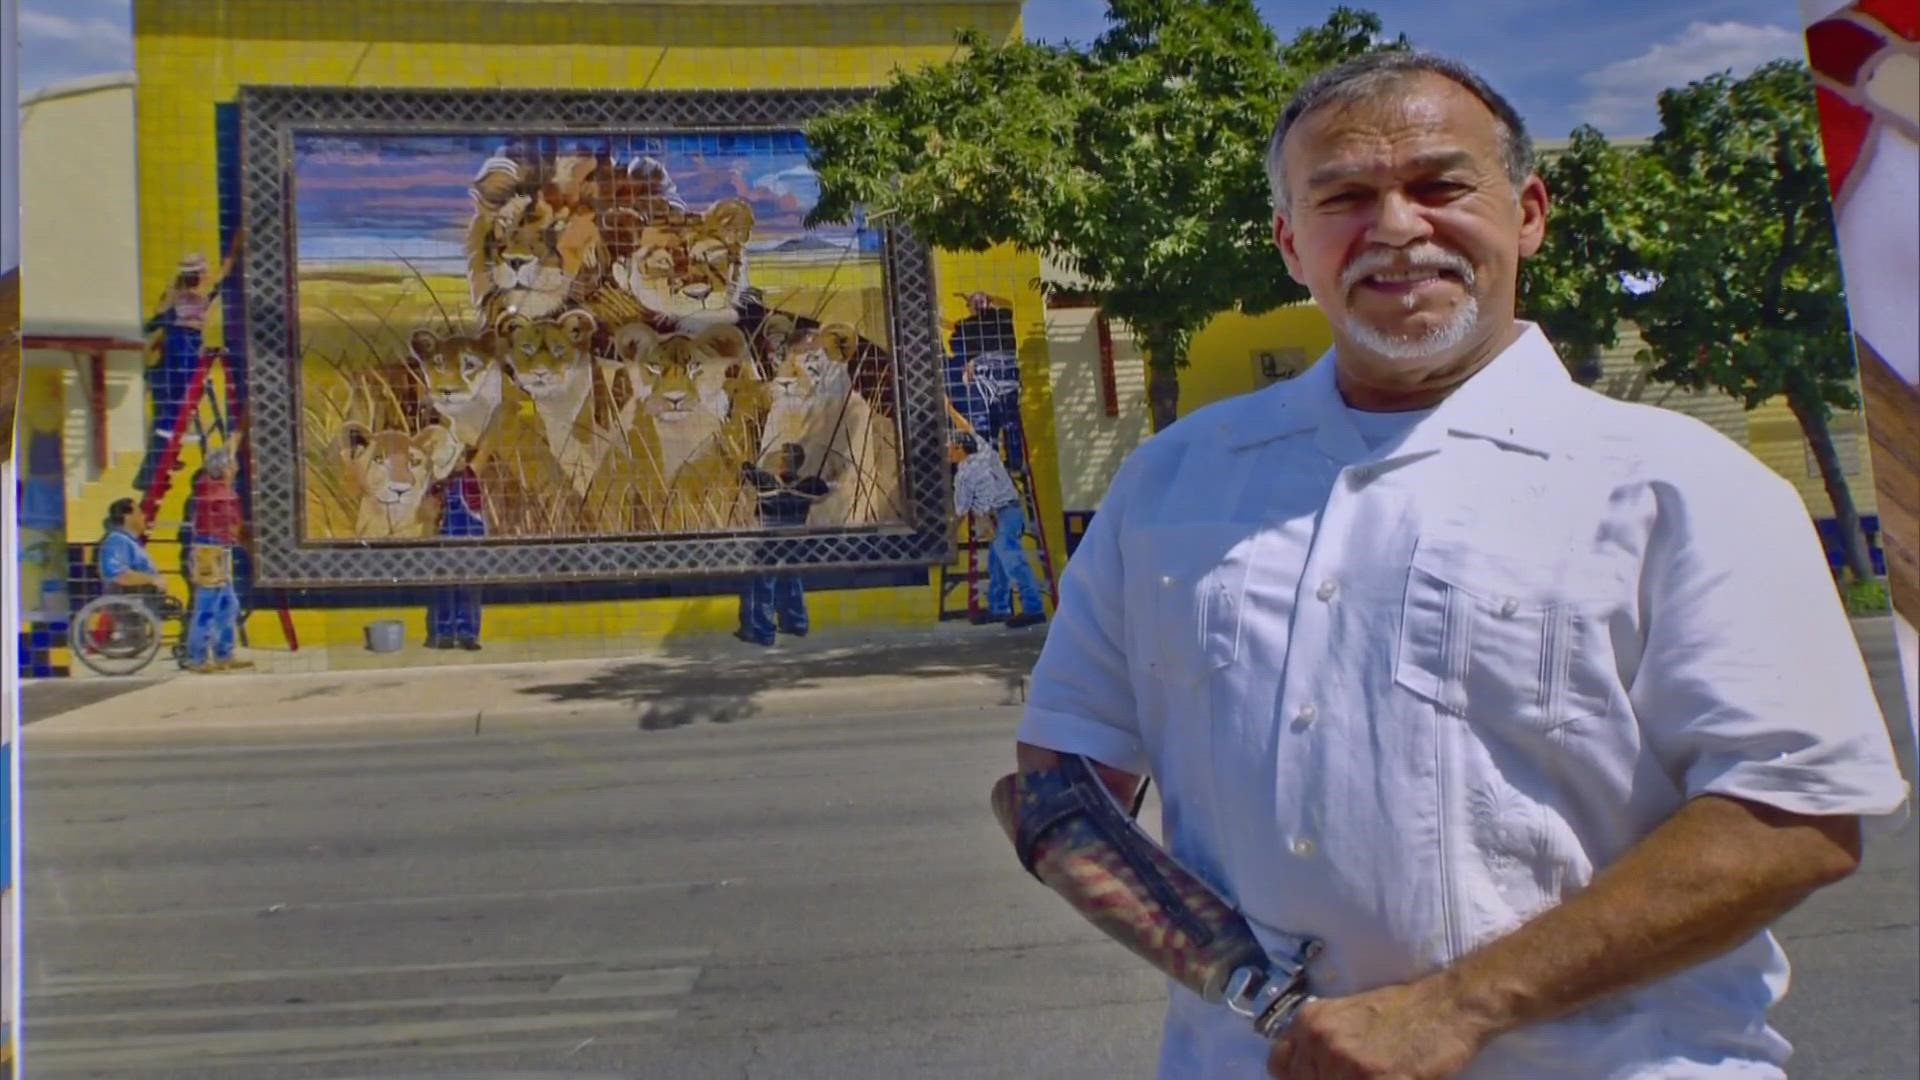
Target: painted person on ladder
986 350
213 624
981 484
181 323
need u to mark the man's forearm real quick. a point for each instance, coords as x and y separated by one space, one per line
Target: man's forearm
1713 875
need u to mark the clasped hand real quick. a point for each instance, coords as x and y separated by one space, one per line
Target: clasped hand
1408 1032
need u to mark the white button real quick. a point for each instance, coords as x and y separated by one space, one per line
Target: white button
1302 847
1166 582
1508 607
1327 589
1306 714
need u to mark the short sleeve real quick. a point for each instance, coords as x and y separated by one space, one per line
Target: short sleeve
1081 699
1751 683
114 558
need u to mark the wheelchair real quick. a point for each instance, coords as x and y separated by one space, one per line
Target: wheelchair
119 633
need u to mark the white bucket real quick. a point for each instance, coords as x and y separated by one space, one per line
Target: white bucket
386 636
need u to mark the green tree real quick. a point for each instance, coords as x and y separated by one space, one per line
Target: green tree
1575 286
1739 234
1139 164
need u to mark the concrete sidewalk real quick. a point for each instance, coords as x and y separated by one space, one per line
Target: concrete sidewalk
704 680
718 681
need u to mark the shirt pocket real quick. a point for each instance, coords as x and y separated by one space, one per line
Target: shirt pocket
1499 640
1194 584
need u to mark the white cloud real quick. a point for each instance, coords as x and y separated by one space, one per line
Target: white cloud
1621 96
72 39
91 36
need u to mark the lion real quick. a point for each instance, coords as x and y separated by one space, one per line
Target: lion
688 269
522 487
686 399
852 447
530 252
389 474
552 362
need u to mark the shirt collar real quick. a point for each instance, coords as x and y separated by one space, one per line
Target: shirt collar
1513 401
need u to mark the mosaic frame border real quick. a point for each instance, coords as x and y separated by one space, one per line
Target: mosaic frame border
269 118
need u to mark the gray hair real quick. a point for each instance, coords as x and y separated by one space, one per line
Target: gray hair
1369 76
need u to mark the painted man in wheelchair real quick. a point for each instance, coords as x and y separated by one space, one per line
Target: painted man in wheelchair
125 567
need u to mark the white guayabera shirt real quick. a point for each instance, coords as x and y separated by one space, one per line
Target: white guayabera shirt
1404 698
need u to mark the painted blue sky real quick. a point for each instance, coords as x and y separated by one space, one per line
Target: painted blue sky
1563 62
367 197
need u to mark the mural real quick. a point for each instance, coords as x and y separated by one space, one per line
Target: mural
530 337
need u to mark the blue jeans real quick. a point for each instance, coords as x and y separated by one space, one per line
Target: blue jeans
766 597
454 614
168 383
1007 565
213 622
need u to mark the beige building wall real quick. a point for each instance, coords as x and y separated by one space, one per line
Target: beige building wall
1093 444
77 199
79 255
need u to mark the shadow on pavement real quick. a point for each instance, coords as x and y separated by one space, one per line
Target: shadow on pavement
43 699
726 681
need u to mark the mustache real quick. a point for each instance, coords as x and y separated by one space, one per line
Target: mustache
1424 257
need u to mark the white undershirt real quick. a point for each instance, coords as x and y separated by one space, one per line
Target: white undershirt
1378 429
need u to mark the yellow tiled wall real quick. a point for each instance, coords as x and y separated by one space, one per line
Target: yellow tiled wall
191 55
1223 359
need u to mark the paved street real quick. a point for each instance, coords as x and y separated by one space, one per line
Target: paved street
786 894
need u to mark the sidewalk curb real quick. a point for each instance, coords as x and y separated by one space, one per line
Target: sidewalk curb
896 695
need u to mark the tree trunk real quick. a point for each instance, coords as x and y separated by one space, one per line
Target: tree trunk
1163 380
1163 395
1813 423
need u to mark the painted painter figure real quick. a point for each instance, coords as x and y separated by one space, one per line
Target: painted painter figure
986 352
213 621
182 324
981 485
1534 708
770 601
453 615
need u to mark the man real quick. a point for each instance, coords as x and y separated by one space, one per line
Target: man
1536 707
125 566
785 497
182 322
213 621
981 485
986 357
453 612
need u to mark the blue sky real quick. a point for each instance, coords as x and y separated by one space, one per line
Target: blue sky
1563 62
366 197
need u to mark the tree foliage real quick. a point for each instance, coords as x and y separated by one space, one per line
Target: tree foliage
1139 164
1750 300
1574 286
